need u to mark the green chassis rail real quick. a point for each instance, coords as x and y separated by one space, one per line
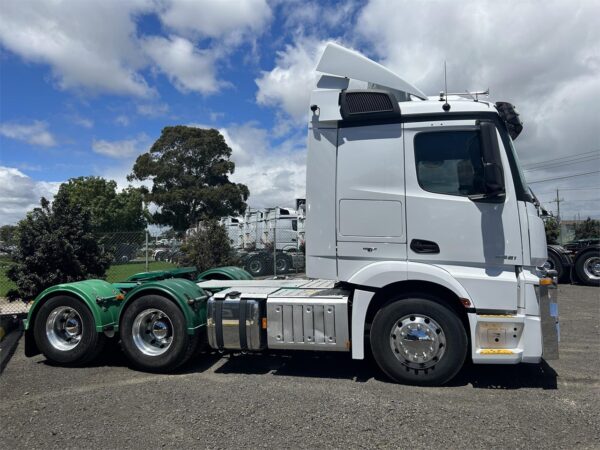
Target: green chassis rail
107 301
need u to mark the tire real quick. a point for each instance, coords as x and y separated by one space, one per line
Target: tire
587 266
284 263
555 263
425 322
65 331
154 334
256 265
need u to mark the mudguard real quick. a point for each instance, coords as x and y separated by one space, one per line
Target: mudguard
188 296
96 294
225 273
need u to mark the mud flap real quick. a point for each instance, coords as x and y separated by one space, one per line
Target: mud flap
550 323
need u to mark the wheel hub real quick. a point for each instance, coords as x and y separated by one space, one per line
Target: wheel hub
417 341
152 332
64 328
592 268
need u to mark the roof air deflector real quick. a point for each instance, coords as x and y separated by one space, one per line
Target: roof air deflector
340 61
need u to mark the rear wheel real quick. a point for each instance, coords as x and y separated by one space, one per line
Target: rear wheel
418 341
587 266
283 263
154 334
256 265
554 263
65 331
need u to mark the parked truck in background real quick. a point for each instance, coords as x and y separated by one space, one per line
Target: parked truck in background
268 240
577 261
423 247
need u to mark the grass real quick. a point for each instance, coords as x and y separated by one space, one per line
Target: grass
5 284
118 272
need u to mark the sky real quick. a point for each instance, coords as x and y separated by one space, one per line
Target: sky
85 86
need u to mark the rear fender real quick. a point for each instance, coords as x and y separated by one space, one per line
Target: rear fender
184 293
99 296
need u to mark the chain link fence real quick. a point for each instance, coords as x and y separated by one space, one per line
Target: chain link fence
131 252
268 242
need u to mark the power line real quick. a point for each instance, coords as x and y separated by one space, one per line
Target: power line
562 178
563 163
570 189
577 155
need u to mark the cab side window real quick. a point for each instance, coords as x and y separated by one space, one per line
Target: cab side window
449 162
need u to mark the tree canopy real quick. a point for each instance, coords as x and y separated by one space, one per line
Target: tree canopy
109 210
552 230
587 229
55 244
209 246
189 168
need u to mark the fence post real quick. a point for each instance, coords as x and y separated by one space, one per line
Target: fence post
275 244
147 267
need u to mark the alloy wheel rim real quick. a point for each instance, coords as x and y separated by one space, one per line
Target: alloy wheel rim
64 328
152 332
591 267
417 341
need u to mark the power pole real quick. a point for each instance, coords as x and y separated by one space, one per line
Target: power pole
557 201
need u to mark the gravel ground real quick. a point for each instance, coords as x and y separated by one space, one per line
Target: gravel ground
309 400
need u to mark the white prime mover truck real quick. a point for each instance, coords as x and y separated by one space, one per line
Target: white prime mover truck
423 246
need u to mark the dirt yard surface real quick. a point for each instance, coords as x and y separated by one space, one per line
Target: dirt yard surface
310 401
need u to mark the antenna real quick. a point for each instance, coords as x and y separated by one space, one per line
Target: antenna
446 105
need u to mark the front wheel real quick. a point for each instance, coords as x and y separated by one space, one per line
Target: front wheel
154 334
65 332
418 341
587 266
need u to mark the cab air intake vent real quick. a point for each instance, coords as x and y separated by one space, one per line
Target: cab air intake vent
368 105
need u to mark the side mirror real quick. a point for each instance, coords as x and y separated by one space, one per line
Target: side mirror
492 164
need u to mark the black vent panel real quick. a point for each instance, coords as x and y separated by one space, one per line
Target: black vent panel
368 104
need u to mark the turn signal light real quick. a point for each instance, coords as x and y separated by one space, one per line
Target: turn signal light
264 323
545 281
120 297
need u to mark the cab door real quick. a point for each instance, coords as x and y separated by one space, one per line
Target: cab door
450 223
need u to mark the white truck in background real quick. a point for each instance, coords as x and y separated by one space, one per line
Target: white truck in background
269 240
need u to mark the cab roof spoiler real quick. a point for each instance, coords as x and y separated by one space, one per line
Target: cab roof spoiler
342 62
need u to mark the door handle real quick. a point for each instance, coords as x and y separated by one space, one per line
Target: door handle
369 249
423 246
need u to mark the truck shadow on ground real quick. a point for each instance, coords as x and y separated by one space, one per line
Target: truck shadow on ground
540 376
342 367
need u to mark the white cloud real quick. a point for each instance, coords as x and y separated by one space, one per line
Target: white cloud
35 133
83 122
186 67
89 46
122 120
221 19
288 85
20 193
275 174
152 109
122 149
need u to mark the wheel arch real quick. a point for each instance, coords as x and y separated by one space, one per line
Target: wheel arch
186 295
85 292
431 290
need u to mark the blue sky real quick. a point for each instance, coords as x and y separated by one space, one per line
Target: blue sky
85 87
